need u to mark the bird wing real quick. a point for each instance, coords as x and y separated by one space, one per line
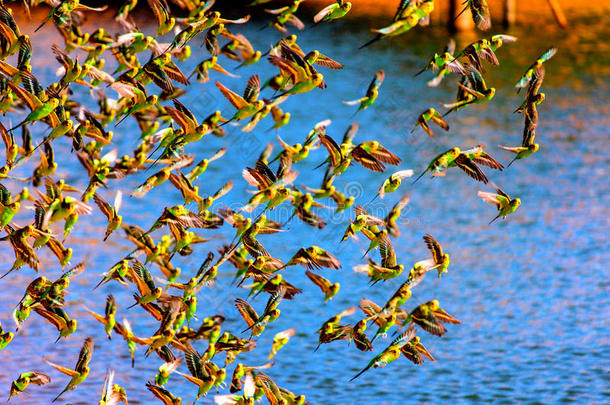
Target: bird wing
320 281
434 247
246 311
252 89
470 168
235 99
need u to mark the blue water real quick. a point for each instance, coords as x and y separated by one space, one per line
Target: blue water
531 291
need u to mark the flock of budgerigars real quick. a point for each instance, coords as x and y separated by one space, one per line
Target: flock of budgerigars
166 126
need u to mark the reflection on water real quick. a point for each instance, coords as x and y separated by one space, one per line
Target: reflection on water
531 291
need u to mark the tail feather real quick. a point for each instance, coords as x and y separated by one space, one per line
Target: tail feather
372 41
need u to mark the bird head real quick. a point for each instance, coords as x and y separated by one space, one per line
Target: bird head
259 104
54 102
433 305
72 324
516 202
317 78
361 324
534 147
274 314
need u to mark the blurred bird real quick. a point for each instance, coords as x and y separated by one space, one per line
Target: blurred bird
502 201
81 370
371 93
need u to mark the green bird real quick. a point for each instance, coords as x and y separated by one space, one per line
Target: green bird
81 370
285 15
314 258
21 383
473 90
203 68
533 95
247 105
200 372
392 183
437 64
430 115
5 338
530 109
371 93
280 340
480 13
117 272
161 11
440 260
62 12
329 289
361 341
390 353
58 318
430 317
386 324
502 201
521 152
250 316
108 320
162 376
141 277
296 68
41 111
476 155
8 207
202 166
271 312
440 163
482 49
12 149
111 212
112 394
407 16
160 177
529 73
333 11
164 395
394 214
466 160
415 351
388 268
124 329
362 219
149 103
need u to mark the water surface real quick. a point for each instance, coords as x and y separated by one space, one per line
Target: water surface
531 291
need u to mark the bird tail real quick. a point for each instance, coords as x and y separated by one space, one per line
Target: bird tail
493 220
420 72
354 102
372 41
419 177
511 162
359 374
62 393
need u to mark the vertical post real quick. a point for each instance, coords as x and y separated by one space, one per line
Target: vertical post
558 13
509 13
457 21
